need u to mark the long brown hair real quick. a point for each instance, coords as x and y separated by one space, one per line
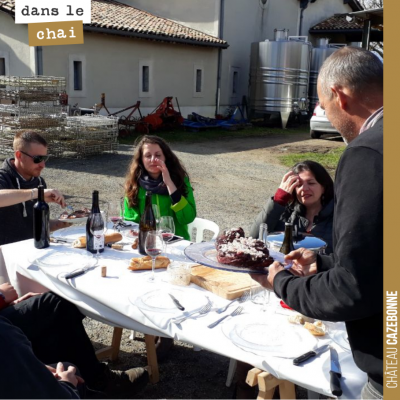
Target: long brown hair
176 170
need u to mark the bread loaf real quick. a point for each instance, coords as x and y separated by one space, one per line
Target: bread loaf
108 238
317 328
141 263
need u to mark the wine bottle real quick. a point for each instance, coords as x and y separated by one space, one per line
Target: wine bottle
93 243
287 244
41 221
147 223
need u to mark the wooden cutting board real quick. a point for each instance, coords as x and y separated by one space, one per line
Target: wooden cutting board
228 285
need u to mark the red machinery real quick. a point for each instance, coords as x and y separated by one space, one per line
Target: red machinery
164 116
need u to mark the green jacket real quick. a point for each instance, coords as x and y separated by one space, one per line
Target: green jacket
184 212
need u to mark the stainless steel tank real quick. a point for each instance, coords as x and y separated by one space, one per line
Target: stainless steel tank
279 76
318 55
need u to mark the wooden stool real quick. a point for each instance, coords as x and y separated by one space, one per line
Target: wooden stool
267 383
112 352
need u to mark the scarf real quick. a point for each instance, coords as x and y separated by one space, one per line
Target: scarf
155 186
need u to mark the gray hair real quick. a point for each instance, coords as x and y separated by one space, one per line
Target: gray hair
355 68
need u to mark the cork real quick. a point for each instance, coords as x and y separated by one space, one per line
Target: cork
103 271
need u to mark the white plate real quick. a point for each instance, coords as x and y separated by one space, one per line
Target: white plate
75 258
269 335
341 338
206 254
160 301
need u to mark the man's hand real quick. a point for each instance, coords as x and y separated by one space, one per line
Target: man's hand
267 281
9 292
54 196
24 297
68 375
304 262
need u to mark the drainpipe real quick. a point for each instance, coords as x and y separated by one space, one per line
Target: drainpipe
303 6
220 35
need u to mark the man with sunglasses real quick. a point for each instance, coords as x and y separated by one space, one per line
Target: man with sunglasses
23 172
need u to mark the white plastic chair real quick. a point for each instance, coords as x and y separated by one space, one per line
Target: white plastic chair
201 225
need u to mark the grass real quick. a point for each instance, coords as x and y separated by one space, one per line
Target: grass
179 135
328 159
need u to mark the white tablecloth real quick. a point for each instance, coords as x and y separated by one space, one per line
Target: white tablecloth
113 300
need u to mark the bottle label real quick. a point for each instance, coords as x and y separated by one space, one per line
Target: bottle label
98 240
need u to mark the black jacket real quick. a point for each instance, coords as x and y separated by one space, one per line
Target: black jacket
16 222
275 216
23 376
349 283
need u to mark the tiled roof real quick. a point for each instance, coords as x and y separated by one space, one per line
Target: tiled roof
114 16
338 22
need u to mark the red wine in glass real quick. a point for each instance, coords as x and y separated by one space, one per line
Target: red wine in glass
167 236
153 252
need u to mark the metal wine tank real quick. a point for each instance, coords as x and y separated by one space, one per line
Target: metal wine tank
318 55
279 75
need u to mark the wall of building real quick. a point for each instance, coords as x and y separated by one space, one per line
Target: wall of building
112 65
202 15
20 58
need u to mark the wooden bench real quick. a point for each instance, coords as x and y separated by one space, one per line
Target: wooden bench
112 352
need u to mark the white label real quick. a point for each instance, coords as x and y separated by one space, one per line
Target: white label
98 240
30 11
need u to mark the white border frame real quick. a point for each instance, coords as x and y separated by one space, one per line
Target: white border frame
71 91
195 68
146 63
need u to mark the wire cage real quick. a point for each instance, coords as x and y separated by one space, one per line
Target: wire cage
31 89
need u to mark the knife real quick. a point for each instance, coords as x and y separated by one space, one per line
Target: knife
335 373
179 305
312 353
78 272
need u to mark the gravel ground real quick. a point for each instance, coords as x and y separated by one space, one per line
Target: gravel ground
231 179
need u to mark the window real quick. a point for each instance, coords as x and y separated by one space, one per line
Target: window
77 85
77 75
234 82
2 66
199 80
145 78
2 69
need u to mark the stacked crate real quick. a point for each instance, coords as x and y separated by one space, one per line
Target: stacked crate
31 103
34 103
90 134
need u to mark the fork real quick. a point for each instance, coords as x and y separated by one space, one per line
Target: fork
204 310
237 311
240 299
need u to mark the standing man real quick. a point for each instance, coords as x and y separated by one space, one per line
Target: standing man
348 284
23 172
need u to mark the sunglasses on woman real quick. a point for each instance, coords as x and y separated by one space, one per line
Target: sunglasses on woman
36 159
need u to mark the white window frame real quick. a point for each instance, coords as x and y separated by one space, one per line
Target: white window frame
146 63
195 68
71 91
231 75
6 56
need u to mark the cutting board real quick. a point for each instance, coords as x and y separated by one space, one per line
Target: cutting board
228 285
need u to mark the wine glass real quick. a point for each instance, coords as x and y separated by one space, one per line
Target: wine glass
115 212
153 247
263 234
97 227
156 212
260 295
167 228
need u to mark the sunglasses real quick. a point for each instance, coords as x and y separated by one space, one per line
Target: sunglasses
36 159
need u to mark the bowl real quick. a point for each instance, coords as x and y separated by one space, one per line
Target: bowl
179 273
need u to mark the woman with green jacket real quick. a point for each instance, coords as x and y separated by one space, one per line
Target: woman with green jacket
156 168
